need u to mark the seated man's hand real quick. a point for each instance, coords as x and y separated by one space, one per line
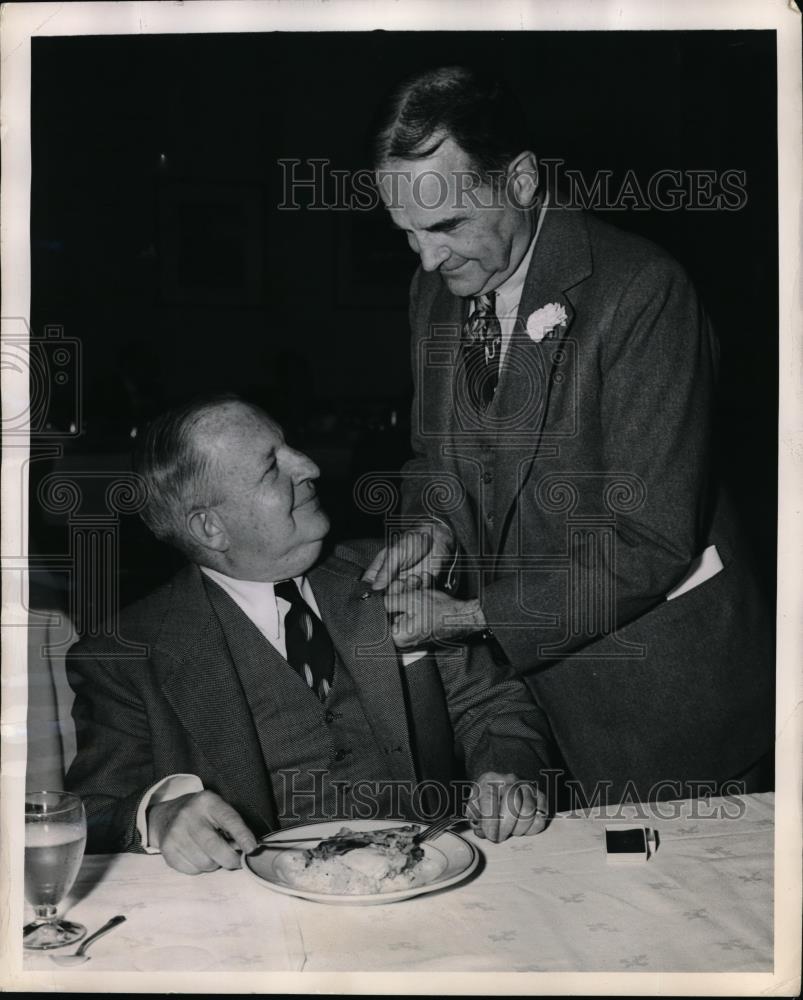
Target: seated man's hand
419 557
199 833
420 615
506 806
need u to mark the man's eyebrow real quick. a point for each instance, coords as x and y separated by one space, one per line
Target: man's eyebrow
439 226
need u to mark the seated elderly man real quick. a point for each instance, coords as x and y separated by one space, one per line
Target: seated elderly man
271 691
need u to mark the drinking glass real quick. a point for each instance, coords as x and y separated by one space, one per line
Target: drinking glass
55 835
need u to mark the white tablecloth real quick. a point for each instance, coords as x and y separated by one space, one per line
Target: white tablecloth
703 903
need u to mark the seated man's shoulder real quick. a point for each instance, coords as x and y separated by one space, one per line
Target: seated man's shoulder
350 558
141 622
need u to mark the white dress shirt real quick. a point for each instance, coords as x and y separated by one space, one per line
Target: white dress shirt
257 600
508 294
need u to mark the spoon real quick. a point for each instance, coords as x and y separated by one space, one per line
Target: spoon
80 956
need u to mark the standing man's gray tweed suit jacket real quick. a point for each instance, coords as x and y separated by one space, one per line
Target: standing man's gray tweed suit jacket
588 486
191 704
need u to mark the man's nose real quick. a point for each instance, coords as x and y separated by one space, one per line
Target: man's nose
302 467
432 252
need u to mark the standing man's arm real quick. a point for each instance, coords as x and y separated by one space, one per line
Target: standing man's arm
657 366
503 739
657 377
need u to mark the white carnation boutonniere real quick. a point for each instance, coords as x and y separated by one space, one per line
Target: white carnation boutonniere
544 320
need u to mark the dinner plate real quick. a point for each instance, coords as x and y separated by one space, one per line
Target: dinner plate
454 857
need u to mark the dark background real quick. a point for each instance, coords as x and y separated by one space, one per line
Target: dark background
158 246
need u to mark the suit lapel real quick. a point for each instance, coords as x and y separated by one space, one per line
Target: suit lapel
359 630
200 681
535 378
438 366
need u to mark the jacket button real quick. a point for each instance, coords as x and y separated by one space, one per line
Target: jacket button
339 755
488 477
489 518
329 718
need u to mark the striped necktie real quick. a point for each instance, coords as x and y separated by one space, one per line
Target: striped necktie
482 343
309 649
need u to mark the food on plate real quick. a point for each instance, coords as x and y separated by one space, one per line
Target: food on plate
386 861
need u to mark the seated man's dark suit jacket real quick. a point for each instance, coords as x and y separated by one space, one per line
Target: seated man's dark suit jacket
182 708
588 488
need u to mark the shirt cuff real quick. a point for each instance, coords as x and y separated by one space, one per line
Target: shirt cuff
168 788
412 656
703 568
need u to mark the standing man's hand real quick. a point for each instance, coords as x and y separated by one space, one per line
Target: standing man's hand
417 558
420 615
506 806
199 833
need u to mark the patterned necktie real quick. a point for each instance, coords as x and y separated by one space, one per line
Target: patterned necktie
482 334
309 649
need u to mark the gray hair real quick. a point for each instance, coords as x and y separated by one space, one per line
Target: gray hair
178 473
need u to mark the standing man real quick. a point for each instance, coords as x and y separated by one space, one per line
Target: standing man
269 691
564 377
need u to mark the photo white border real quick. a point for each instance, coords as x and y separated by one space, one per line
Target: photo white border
21 22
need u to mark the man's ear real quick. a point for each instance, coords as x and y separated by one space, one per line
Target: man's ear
206 528
522 180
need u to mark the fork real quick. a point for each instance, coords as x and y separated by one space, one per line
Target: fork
437 828
344 844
